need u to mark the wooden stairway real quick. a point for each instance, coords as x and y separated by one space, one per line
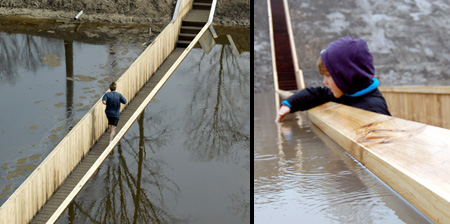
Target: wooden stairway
194 22
202 4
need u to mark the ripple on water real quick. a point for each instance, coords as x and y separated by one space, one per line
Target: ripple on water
265 157
337 196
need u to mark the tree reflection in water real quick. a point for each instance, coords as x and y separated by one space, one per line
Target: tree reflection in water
21 52
210 121
129 186
217 120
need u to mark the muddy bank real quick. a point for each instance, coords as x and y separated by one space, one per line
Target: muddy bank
82 31
228 13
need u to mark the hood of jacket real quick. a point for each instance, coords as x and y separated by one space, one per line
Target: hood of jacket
349 63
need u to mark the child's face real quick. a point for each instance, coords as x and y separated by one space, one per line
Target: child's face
329 82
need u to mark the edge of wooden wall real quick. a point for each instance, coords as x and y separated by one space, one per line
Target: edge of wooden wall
424 104
410 157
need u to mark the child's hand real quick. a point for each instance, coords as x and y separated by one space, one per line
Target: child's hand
283 111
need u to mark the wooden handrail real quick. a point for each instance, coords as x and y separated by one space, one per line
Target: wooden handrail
211 13
416 89
175 13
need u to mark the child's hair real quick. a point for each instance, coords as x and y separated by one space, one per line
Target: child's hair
112 86
321 66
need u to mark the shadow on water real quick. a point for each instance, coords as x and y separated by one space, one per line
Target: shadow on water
302 174
187 158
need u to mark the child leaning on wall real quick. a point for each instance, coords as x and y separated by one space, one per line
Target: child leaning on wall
347 67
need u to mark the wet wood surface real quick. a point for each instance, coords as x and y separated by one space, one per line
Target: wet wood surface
411 157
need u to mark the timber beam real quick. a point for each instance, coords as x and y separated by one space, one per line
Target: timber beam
411 157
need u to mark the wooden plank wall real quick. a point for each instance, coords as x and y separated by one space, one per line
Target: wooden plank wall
425 104
410 157
32 194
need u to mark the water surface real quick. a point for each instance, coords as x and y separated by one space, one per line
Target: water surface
48 83
187 157
303 176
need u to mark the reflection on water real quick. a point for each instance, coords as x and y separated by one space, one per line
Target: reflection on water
47 85
131 187
187 158
301 174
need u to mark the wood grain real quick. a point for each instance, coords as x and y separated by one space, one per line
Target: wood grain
410 157
425 104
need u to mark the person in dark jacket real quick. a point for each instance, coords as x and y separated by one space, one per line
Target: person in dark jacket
347 67
112 101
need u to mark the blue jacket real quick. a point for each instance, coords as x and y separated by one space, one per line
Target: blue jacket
315 96
113 100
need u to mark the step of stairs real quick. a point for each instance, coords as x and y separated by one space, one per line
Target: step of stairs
183 43
190 29
193 23
201 6
186 36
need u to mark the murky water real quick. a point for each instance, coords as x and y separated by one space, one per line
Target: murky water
47 84
187 157
303 176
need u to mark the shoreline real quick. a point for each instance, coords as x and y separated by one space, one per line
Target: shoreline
109 17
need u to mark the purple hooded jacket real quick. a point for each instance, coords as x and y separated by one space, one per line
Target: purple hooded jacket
350 63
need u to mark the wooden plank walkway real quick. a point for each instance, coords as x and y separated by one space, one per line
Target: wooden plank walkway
282 47
71 182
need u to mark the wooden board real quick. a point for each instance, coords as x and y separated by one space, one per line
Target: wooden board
413 158
424 104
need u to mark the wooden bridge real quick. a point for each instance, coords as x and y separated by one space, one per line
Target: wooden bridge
287 75
411 157
46 193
